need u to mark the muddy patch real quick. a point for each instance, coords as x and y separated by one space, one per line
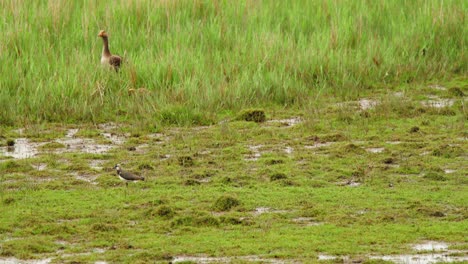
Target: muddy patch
84 177
265 210
431 246
86 145
326 257
22 261
437 87
204 259
318 145
107 126
439 252
306 221
288 150
114 138
96 164
289 122
394 142
437 102
40 166
22 149
350 183
254 154
375 150
422 258
366 104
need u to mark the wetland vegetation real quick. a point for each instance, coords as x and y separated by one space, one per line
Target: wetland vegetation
267 132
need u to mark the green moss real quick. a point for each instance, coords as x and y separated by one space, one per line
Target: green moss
10 142
253 115
278 176
225 203
456 91
52 145
434 176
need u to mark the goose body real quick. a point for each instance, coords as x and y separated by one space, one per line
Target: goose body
107 59
127 176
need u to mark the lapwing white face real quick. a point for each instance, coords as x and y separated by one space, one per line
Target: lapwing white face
117 167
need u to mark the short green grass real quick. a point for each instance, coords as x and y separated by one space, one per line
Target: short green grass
203 189
196 102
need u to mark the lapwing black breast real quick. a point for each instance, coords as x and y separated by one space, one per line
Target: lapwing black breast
126 175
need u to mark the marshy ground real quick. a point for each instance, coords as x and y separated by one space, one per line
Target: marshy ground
380 178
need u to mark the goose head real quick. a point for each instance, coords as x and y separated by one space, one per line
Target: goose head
102 34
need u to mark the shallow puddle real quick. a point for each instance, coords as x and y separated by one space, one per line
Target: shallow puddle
306 221
366 104
22 261
114 138
431 246
287 122
393 142
96 164
439 103
22 149
288 150
204 260
326 257
421 258
255 153
375 150
83 177
437 87
264 210
40 166
82 145
439 253
318 145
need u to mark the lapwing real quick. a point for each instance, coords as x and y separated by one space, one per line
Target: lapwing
127 176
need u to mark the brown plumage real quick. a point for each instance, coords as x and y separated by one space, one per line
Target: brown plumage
127 176
107 59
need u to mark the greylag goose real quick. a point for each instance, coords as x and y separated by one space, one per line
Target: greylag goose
107 59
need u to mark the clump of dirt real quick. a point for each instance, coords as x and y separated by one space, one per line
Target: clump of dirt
432 175
414 129
230 220
10 142
278 176
352 148
104 227
8 200
196 221
165 211
225 203
274 161
185 161
455 91
389 160
191 182
252 115
365 114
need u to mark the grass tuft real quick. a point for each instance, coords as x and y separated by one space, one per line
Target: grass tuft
225 203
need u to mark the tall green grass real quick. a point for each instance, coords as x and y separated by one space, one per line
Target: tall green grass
193 59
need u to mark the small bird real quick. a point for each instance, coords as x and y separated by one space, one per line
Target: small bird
107 59
127 176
